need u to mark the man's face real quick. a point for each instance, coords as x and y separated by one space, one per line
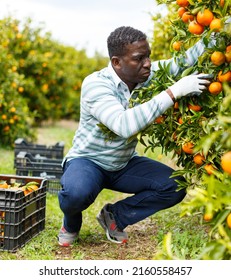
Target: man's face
134 67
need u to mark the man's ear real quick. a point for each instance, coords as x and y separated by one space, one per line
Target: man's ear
115 61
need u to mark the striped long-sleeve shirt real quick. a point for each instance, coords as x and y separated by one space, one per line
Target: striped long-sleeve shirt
105 99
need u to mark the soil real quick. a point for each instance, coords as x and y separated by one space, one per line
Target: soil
141 245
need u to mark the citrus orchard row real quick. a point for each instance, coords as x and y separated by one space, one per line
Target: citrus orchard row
40 78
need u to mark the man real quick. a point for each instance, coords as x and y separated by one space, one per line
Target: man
93 163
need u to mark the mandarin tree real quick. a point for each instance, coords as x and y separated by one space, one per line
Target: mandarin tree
15 117
40 78
198 139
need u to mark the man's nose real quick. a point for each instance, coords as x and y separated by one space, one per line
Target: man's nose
147 62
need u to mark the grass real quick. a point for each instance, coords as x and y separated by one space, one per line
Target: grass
145 238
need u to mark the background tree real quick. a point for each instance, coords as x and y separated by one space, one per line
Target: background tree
40 79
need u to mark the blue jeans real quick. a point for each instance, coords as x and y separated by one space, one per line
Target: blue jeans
147 180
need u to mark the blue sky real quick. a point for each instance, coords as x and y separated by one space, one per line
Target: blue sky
83 23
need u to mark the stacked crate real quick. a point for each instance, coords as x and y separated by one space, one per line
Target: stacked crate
41 161
22 216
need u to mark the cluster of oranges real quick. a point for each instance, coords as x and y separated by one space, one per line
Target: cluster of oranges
27 189
219 58
199 159
198 20
9 119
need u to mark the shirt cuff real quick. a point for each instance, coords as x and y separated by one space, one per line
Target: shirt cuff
164 100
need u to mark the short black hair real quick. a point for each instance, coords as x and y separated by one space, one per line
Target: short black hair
122 36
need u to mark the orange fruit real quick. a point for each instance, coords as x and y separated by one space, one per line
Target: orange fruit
182 3
222 3
21 89
160 119
194 107
195 28
204 17
186 17
228 220
29 188
180 120
176 45
217 58
215 88
224 77
228 54
181 11
12 110
209 168
25 190
226 162
18 35
14 68
3 185
199 159
6 128
176 105
215 25
228 49
208 217
188 147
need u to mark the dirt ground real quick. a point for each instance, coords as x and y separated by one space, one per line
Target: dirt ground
142 245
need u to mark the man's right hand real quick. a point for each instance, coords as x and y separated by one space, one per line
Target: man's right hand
190 85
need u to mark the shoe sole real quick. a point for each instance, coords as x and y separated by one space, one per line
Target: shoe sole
65 244
103 225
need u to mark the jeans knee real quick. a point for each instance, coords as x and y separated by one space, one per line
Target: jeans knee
74 202
172 193
180 195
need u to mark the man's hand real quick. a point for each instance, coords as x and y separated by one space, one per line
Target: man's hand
190 85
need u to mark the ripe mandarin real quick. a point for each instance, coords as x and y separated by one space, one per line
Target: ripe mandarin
204 17
215 88
226 162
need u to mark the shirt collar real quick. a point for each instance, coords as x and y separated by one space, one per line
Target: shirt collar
115 77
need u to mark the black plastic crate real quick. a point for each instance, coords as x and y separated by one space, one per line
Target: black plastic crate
37 150
39 172
53 183
21 216
48 166
50 169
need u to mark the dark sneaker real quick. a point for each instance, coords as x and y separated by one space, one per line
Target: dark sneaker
107 221
66 238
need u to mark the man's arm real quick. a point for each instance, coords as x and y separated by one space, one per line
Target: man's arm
191 57
101 103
